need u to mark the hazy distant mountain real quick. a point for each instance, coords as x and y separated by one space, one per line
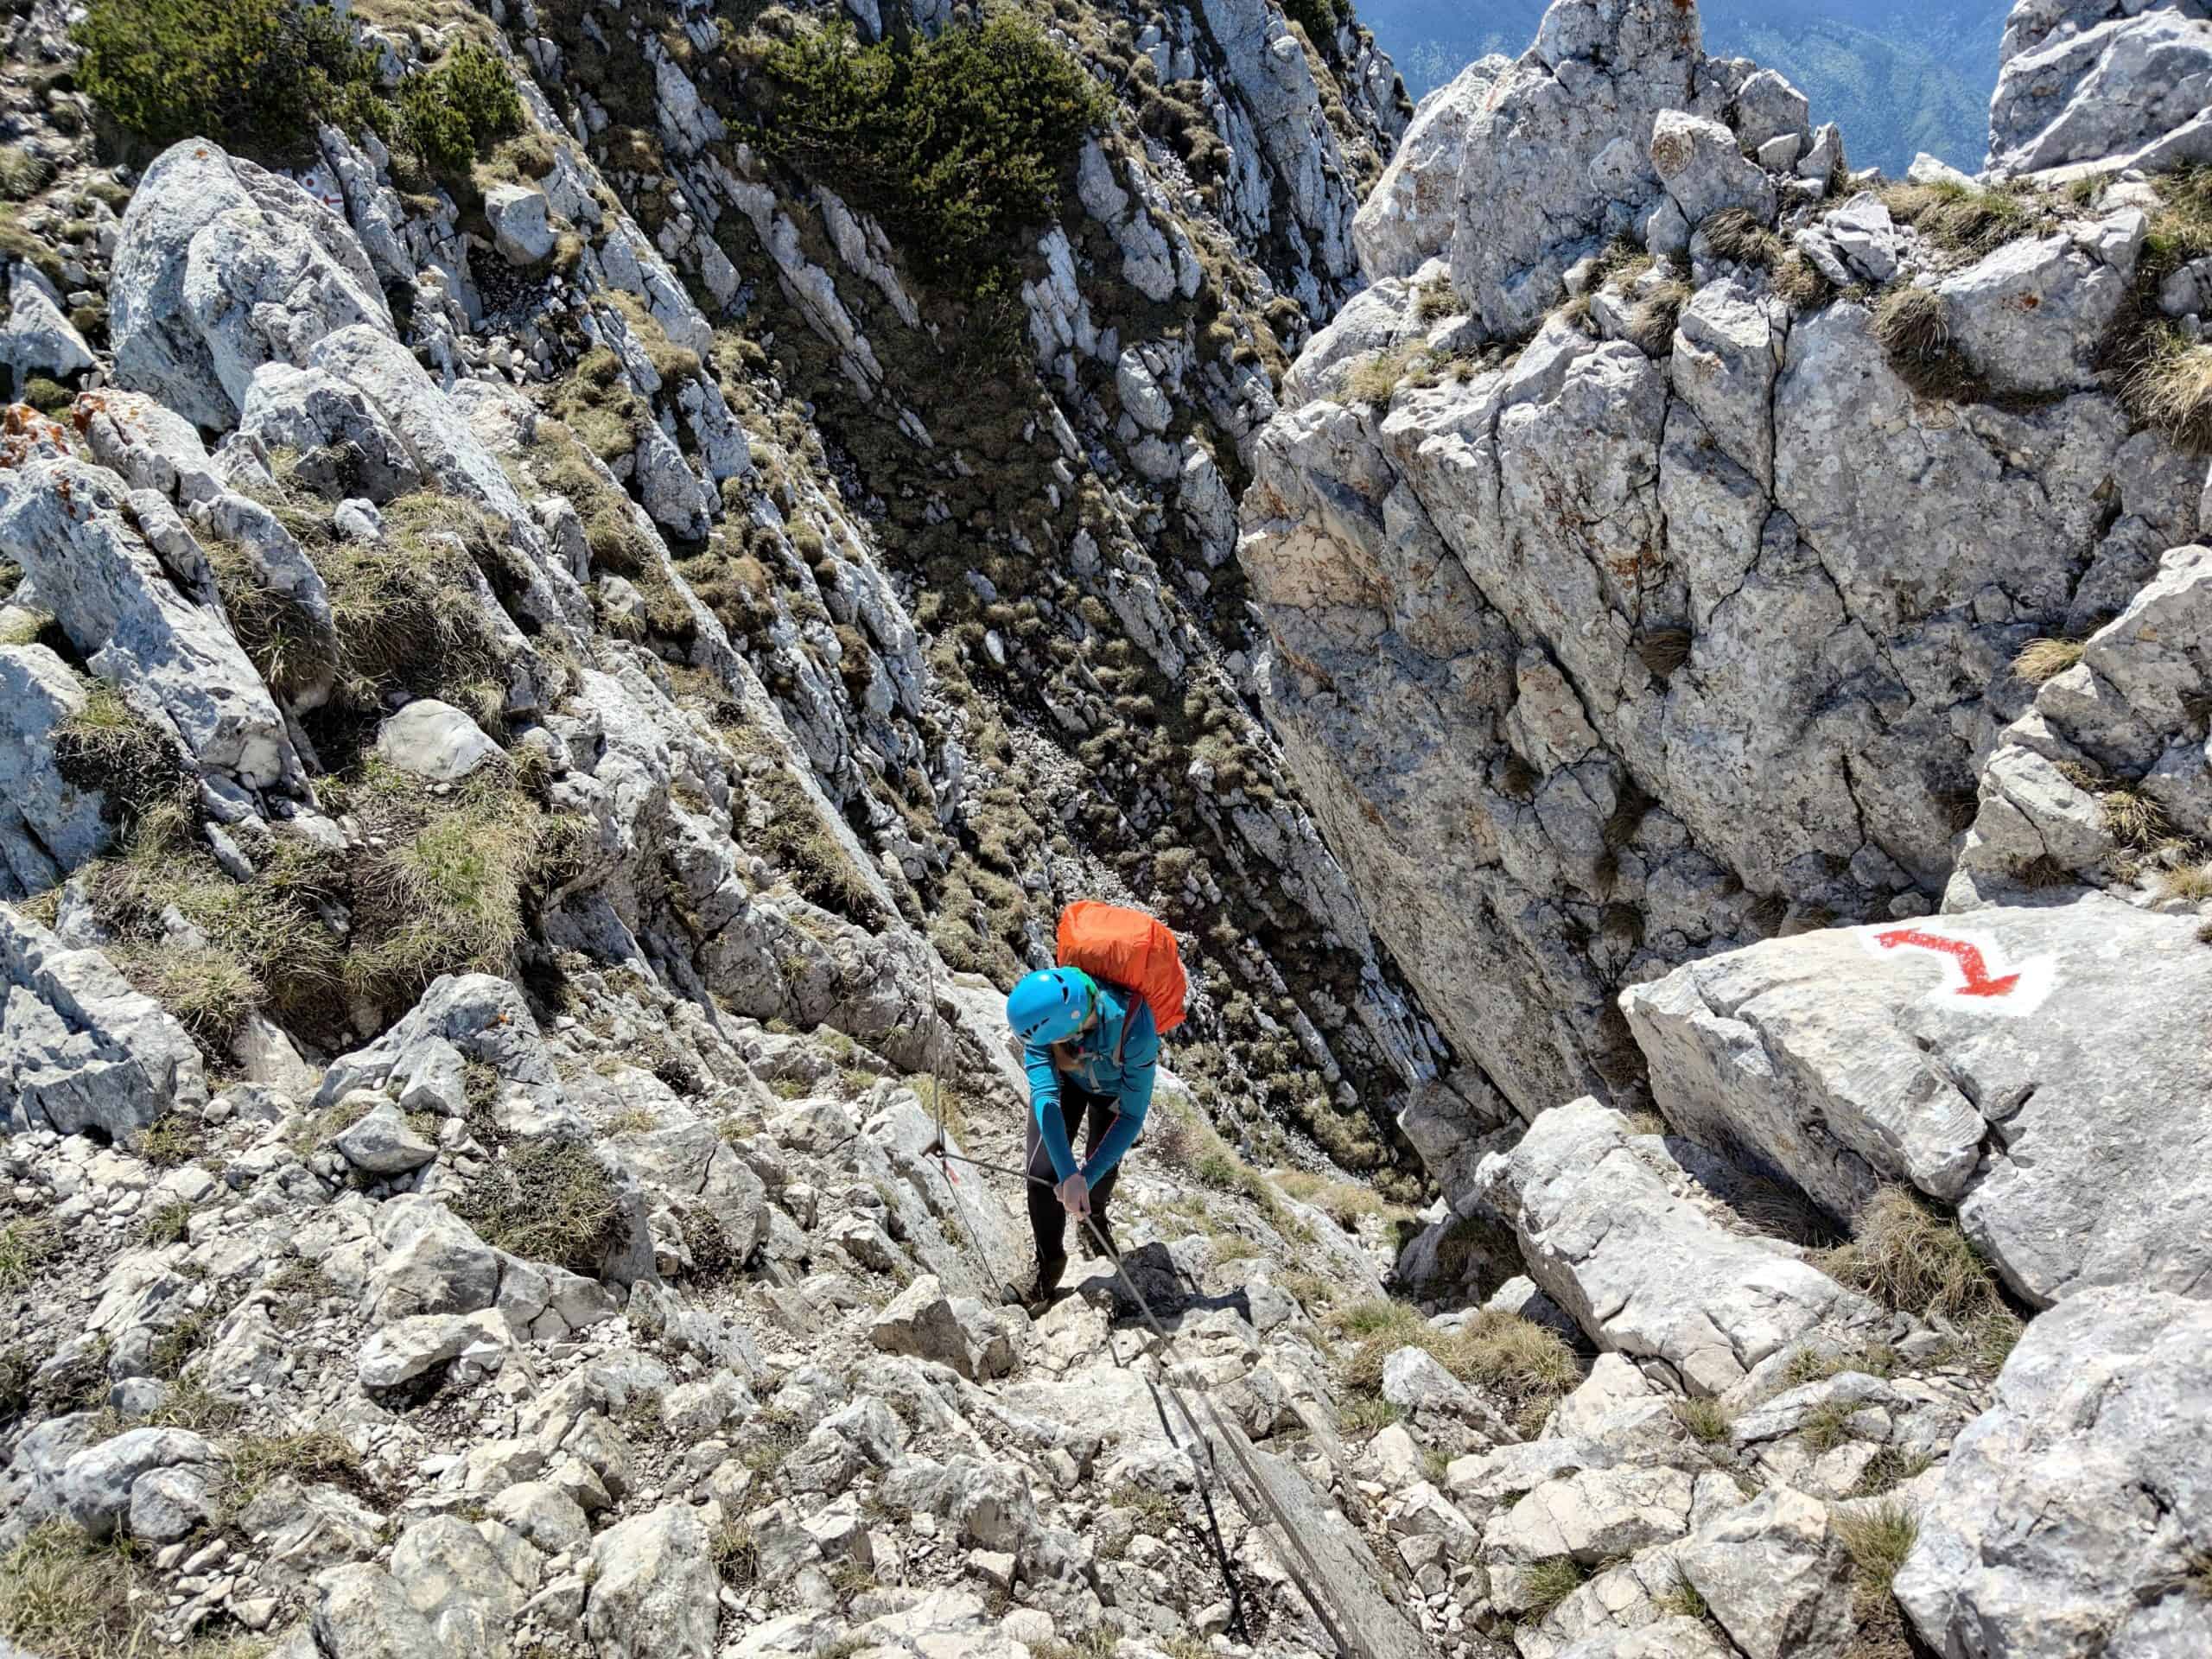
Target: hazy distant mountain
1900 77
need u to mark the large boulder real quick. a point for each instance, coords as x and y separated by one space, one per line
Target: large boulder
1956 1054
1646 1273
80 1049
1776 1576
222 266
2119 82
2032 316
2070 1518
99 1485
88 546
1601 661
653 1588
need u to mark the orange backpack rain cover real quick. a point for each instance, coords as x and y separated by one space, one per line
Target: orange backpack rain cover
1130 948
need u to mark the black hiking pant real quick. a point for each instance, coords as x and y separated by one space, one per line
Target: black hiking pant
1048 1221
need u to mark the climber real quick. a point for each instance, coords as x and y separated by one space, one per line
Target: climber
1090 1049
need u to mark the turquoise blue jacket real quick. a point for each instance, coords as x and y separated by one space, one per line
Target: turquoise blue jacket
1128 1084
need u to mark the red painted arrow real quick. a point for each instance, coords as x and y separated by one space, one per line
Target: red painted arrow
1978 983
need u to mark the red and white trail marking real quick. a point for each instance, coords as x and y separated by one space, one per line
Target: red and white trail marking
1977 977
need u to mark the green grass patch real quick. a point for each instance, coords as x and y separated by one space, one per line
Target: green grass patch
1549 1582
1526 1366
1968 219
26 1244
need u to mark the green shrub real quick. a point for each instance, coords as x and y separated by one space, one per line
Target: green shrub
254 74
459 109
1319 18
956 144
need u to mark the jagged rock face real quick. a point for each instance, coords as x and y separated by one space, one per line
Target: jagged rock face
2101 81
1558 161
1691 619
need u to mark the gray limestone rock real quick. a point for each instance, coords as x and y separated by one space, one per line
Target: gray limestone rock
653 1588
361 1612
1556 161
520 231
2119 82
1777 1576
1952 1053
99 1483
221 267
2067 1517
1703 168
1407 218
49 825
382 1142
78 1048
1646 1273
434 740
81 538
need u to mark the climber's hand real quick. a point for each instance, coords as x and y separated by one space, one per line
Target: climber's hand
1074 1194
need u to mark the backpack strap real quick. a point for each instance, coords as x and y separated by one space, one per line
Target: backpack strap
1122 1041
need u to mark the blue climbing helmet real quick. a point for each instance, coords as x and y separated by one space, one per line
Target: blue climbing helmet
1051 1005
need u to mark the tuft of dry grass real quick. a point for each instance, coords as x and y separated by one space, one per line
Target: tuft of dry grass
1829 1425
26 1244
2191 884
1374 379
1737 235
1650 327
1707 1420
548 1200
2168 387
1798 280
2134 819
2041 660
1907 1256
1878 1541
1682 1599
735 1554
1913 325
1664 650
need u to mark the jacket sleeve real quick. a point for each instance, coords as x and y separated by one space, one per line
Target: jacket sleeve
1044 1108
1140 1062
